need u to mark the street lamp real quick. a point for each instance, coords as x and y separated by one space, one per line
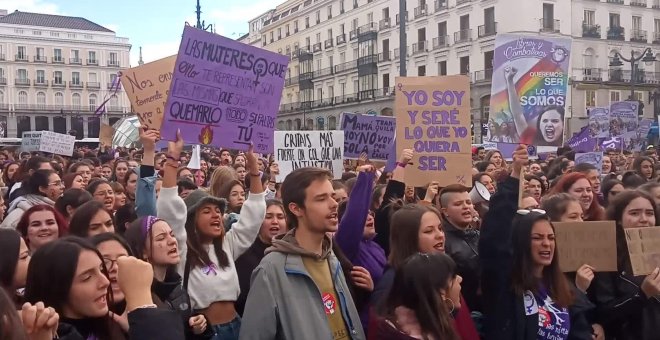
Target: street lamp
647 57
201 24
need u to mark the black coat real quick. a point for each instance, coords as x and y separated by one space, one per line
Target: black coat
623 309
463 247
394 190
504 310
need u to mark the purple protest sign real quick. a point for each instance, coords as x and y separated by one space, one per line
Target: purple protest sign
507 149
599 122
369 134
224 93
583 142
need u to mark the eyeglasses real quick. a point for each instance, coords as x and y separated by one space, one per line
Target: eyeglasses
524 212
110 262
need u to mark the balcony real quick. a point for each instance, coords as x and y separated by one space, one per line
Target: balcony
385 24
638 3
616 33
385 56
57 60
3 81
93 85
353 34
441 42
639 36
483 76
369 59
549 25
22 82
341 39
317 47
587 74
76 84
420 47
487 30
421 11
110 85
75 61
291 81
58 83
656 38
323 72
346 66
590 31
328 43
41 83
92 62
641 77
40 59
463 36
620 2
113 63
367 28
21 57
398 18
441 5
462 2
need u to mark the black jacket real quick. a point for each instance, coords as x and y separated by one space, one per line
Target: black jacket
170 295
245 265
623 309
504 310
394 190
144 323
463 247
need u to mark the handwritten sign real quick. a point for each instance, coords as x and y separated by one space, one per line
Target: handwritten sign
30 141
147 87
534 71
593 158
369 134
433 119
106 134
644 249
224 93
592 243
301 149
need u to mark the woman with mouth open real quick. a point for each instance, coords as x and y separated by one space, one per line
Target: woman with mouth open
102 192
526 296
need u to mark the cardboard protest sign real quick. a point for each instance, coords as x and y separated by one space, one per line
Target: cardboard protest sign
106 134
593 158
592 243
147 87
599 122
30 141
301 149
528 92
369 134
224 93
433 118
644 249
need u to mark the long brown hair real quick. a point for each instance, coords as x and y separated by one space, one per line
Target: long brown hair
404 231
595 211
522 275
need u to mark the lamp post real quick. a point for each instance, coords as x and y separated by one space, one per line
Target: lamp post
201 24
647 57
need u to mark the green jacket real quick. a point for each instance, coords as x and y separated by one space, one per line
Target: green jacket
285 303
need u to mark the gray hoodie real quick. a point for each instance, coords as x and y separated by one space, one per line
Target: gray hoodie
285 303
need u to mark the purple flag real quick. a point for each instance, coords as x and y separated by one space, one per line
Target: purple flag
582 142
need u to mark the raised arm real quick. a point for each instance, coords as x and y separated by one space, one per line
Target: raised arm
145 196
514 101
351 227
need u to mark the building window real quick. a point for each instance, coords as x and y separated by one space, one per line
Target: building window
113 59
330 12
279 33
465 65
57 75
75 56
589 18
93 78
22 98
92 57
590 98
57 55
75 100
41 100
41 77
442 68
59 98
288 31
40 54
75 78
615 96
22 74
421 71
307 22
92 102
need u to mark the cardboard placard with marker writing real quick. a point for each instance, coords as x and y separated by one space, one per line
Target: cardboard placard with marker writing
147 87
592 243
644 249
433 118
224 93
301 149
106 134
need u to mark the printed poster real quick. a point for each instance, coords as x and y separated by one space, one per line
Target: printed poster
528 92
599 122
593 158
433 118
224 93
372 135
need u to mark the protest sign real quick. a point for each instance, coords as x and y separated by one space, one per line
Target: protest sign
644 249
582 142
528 91
623 119
224 93
30 141
147 87
507 149
106 134
433 118
592 243
599 122
300 149
639 140
593 158
369 134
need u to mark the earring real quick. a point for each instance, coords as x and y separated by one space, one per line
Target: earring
451 310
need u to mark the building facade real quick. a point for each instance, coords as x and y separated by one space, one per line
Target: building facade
345 53
54 73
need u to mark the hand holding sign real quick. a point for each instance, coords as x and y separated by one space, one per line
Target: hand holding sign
406 156
584 276
520 159
432 191
651 284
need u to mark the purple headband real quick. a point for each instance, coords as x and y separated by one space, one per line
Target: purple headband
147 223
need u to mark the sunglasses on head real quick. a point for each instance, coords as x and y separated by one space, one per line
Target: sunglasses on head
524 212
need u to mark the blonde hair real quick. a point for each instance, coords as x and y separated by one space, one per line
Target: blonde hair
221 176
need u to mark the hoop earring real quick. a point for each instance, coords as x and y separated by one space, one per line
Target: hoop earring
451 310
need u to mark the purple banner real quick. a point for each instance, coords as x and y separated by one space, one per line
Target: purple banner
224 93
507 149
623 119
582 142
599 122
611 143
369 134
